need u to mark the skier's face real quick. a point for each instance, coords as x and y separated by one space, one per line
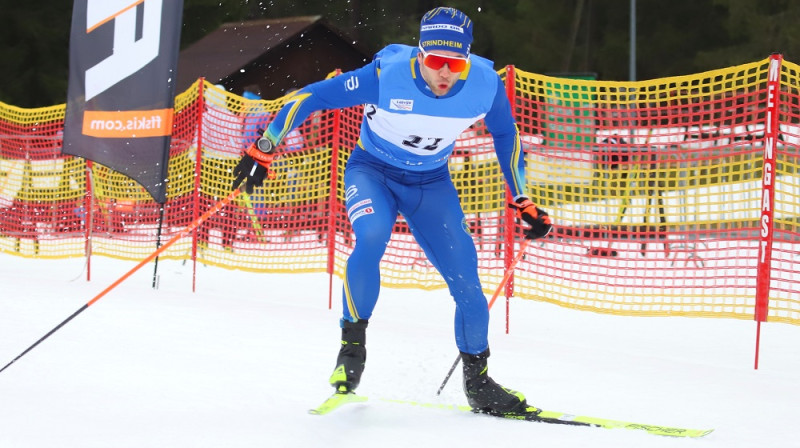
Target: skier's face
440 69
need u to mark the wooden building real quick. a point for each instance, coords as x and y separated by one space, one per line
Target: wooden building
269 56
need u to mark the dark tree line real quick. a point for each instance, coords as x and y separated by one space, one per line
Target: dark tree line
542 36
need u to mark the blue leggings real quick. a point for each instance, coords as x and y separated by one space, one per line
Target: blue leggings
374 193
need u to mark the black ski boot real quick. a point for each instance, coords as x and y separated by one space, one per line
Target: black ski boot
352 356
484 395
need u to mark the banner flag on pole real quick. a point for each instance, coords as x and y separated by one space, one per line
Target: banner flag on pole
122 60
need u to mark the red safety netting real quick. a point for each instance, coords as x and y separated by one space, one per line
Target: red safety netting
657 189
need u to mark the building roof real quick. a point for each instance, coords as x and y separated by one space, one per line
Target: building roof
234 45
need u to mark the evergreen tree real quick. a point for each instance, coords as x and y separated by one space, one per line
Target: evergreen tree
542 36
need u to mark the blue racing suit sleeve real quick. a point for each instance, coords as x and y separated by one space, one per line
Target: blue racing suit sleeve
505 134
359 86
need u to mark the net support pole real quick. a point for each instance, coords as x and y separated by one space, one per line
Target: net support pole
333 198
511 92
88 218
158 242
767 224
197 172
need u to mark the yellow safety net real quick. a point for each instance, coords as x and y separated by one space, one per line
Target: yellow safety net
656 189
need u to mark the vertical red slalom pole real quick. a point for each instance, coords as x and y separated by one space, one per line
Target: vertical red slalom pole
333 199
511 93
186 231
511 261
764 275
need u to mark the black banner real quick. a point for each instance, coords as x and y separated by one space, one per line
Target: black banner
122 61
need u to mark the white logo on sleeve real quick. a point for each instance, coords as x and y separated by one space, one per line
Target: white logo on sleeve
351 83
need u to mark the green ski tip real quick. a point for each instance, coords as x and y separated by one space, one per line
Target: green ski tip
335 401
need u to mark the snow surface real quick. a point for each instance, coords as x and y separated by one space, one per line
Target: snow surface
240 362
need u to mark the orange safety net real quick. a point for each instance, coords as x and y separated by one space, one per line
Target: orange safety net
656 189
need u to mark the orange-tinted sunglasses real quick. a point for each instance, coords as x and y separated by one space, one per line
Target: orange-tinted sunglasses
437 61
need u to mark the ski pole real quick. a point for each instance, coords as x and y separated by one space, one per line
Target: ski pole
187 230
503 282
158 243
253 217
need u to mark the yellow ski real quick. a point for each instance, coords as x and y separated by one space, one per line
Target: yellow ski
335 401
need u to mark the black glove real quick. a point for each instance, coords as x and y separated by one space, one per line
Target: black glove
254 165
537 218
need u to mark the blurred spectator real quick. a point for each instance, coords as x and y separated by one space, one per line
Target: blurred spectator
222 143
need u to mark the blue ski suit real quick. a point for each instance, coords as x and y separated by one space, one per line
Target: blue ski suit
400 165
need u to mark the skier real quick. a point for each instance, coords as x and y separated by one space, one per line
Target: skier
417 100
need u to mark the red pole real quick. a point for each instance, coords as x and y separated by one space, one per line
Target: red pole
333 199
509 271
508 263
767 198
197 164
88 219
758 342
511 92
190 228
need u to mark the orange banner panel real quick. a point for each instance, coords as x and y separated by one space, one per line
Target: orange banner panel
128 123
